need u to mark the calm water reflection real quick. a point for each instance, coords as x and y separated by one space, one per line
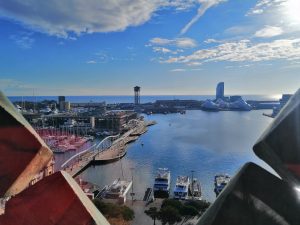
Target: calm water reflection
207 143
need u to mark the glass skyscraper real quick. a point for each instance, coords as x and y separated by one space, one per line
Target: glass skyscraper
220 91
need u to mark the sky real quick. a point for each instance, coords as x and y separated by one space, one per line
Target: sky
167 47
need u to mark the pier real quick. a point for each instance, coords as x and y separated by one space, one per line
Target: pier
111 148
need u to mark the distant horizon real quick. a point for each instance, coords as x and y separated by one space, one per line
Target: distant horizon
111 99
128 95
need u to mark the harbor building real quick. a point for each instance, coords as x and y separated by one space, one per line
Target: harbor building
282 102
220 91
89 108
67 106
235 98
115 121
61 102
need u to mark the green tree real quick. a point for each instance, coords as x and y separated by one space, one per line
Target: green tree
188 212
170 215
173 203
201 205
153 213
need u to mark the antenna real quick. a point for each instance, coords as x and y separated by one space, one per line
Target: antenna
34 100
192 184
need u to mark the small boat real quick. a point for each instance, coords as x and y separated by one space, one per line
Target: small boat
182 187
221 180
195 192
161 187
118 190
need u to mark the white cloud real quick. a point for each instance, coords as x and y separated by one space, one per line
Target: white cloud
242 51
179 5
91 62
205 5
211 40
164 50
69 17
177 42
263 5
238 66
23 40
161 50
269 31
178 70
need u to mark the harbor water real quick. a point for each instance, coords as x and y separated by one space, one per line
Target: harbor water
206 142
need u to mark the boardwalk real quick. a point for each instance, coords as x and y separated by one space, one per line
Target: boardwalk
103 154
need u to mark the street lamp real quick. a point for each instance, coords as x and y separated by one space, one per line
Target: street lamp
132 194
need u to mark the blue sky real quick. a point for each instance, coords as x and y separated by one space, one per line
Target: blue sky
98 47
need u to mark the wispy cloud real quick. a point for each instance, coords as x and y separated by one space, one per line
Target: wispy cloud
91 62
161 50
177 42
238 66
15 87
11 83
186 69
164 50
103 57
242 51
205 5
179 5
178 70
269 31
24 40
211 40
263 5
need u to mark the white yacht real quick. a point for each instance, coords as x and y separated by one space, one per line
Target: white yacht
161 187
221 180
182 187
195 192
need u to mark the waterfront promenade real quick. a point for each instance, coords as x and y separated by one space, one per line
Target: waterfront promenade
115 151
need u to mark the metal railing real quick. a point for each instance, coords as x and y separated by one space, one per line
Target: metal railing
106 143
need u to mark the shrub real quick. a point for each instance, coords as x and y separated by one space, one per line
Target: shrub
127 213
111 210
199 205
173 203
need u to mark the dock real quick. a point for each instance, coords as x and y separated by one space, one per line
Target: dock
147 195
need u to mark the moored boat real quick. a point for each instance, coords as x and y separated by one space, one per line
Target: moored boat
195 191
221 180
181 187
118 190
161 187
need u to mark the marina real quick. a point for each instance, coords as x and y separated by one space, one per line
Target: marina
60 140
104 152
163 112
181 150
